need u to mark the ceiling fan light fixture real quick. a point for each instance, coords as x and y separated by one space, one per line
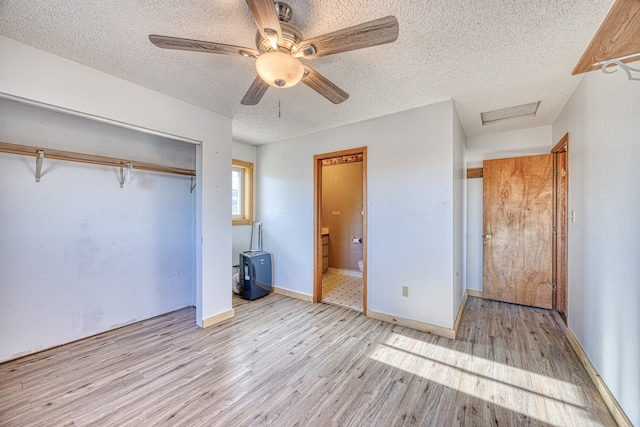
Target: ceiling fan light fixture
279 69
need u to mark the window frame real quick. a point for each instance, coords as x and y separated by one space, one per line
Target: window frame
247 192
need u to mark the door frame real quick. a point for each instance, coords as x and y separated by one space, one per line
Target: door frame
560 242
317 223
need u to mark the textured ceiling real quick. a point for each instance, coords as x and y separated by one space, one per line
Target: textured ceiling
483 54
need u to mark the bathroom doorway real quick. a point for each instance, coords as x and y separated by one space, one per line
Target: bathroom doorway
340 227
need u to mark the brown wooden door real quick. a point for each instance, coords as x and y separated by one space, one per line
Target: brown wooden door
517 220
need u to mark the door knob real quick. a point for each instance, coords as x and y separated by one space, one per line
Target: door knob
488 236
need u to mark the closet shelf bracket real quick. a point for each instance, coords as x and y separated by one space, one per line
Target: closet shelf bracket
125 174
193 184
39 160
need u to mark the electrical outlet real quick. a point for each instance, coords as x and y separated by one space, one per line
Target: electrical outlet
405 291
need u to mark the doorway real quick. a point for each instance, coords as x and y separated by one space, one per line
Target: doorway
340 224
525 223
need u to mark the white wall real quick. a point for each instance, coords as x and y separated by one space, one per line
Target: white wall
28 73
410 209
241 236
525 142
517 143
603 121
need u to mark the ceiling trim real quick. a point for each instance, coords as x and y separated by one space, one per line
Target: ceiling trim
617 38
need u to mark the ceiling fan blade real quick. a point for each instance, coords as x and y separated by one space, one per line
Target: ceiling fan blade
323 86
372 33
266 18
255 92
167 42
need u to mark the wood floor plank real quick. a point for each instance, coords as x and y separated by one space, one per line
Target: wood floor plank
285 362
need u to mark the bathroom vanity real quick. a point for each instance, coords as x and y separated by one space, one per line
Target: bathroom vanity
325 252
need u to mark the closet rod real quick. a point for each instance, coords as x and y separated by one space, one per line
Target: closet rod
71 156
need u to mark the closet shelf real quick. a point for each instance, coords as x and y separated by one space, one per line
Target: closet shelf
27 150
615 42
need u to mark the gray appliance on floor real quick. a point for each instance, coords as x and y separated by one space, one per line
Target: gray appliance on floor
255 274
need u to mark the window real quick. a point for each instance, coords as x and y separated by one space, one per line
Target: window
242 192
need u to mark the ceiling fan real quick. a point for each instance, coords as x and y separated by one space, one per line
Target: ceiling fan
280 47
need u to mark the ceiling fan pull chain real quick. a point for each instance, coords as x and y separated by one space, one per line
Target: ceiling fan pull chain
279 116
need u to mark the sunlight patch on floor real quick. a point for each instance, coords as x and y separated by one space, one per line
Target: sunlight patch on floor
513 388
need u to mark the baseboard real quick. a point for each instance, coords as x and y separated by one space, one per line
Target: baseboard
456 324
474 293
423 326
220 317
609 400
413 324
293 294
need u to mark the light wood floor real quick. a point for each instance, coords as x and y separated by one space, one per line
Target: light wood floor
285 362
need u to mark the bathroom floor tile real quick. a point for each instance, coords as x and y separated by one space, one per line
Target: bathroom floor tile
342 289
